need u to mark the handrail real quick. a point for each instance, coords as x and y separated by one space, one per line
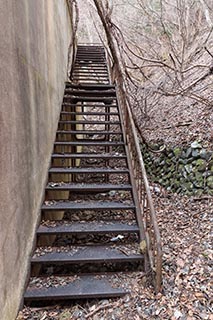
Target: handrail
153 246
148 215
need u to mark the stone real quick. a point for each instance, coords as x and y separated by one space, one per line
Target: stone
206 155
210 192
207 174
195 153
183 161
168 161
188 168
183 155
189 160
188 152
177 152
201 165
198 192
209 182
196 145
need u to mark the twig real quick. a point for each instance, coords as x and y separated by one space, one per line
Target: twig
99 309
202 198
183 124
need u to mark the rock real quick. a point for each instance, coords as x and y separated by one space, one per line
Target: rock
205 155
195 153
177 152
169 175
168 161
189 160
209 182
183 155
162 163
196 145
167 183
207 174
188 152
199 180
200 164
210 192
188 168
182 161
199 192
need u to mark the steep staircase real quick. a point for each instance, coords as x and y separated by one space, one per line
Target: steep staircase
89 229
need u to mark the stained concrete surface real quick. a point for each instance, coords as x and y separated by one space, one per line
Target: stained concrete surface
34 41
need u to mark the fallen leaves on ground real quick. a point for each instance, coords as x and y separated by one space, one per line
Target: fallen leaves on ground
185 225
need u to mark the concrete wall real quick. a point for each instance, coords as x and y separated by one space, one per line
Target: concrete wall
34 40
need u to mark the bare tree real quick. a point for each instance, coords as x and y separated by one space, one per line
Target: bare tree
162 53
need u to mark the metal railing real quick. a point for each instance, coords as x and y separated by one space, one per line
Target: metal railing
152 246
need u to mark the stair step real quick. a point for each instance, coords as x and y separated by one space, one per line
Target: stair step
91 62
85 52
90 75
59 205
91 68
87 93
88 143
87 156
69 104
87 170
105 72
88 254
90 86
84 287
88 132
90 99
88 227
90 79
88 187
90 113
89 122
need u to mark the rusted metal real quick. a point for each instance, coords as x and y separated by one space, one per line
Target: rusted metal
96 227
147 211
88 254
57 205
104 168
83 287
